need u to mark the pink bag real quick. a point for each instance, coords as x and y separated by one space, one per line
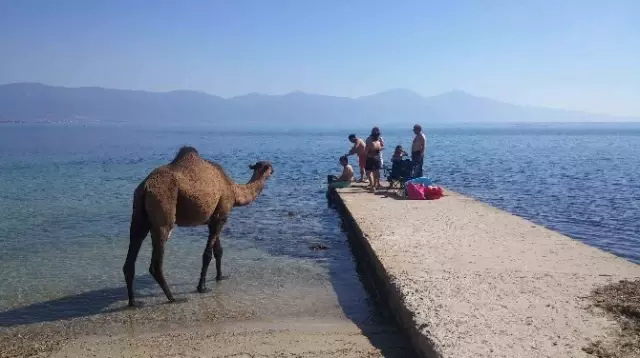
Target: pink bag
421 192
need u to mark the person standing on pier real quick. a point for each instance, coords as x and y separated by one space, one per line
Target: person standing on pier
375 132
417 151
373 164
358 148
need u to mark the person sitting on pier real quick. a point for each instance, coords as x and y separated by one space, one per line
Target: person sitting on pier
398 154
345 179
401 168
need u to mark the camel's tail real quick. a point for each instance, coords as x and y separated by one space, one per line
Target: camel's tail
140 224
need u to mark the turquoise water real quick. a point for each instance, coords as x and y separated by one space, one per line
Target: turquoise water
65 204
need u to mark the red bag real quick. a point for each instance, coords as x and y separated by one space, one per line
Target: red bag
433 192
421 192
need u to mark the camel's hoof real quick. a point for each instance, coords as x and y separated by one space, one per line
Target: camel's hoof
178 300
202 289
135 304
222 278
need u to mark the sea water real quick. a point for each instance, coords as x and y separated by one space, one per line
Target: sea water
65 206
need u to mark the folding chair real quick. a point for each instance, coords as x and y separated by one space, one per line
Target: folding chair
398 175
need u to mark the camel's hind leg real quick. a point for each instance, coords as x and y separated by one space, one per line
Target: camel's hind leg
159 237
137 233
212 249
129 268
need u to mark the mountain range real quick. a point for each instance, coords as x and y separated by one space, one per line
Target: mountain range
34 102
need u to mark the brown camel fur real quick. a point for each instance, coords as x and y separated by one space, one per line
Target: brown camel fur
189 191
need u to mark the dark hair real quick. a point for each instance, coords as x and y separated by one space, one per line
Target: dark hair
418 127
375 131
352 136
345 158
398 147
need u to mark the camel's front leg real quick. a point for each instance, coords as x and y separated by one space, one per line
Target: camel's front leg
217 253
159 237
213 249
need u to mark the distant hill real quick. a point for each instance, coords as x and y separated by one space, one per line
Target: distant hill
33 102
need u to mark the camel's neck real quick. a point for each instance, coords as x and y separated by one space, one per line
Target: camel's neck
247 193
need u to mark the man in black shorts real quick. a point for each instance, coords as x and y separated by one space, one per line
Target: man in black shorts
373 164
417 151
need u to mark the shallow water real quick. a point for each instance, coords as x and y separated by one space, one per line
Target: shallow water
65 204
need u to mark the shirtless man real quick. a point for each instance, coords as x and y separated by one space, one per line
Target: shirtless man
347 170
373 163
417 150
358 148
375 131
345 178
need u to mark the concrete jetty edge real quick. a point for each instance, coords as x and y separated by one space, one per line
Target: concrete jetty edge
385 289
465 279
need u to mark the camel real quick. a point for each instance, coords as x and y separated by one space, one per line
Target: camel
189 191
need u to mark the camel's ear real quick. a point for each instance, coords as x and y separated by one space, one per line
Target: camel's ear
252 166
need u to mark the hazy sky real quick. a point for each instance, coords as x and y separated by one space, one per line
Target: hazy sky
577 54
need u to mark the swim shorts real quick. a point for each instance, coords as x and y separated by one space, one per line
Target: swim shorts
373 163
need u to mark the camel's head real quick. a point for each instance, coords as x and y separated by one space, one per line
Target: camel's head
262 169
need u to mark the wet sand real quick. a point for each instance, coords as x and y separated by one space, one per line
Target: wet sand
288 338
295 322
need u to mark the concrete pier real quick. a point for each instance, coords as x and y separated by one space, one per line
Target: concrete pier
465 279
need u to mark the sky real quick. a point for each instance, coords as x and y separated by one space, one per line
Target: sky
573 54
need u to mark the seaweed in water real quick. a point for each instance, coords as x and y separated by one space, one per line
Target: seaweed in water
317 247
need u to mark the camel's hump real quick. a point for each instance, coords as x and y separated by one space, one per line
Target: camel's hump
184 151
